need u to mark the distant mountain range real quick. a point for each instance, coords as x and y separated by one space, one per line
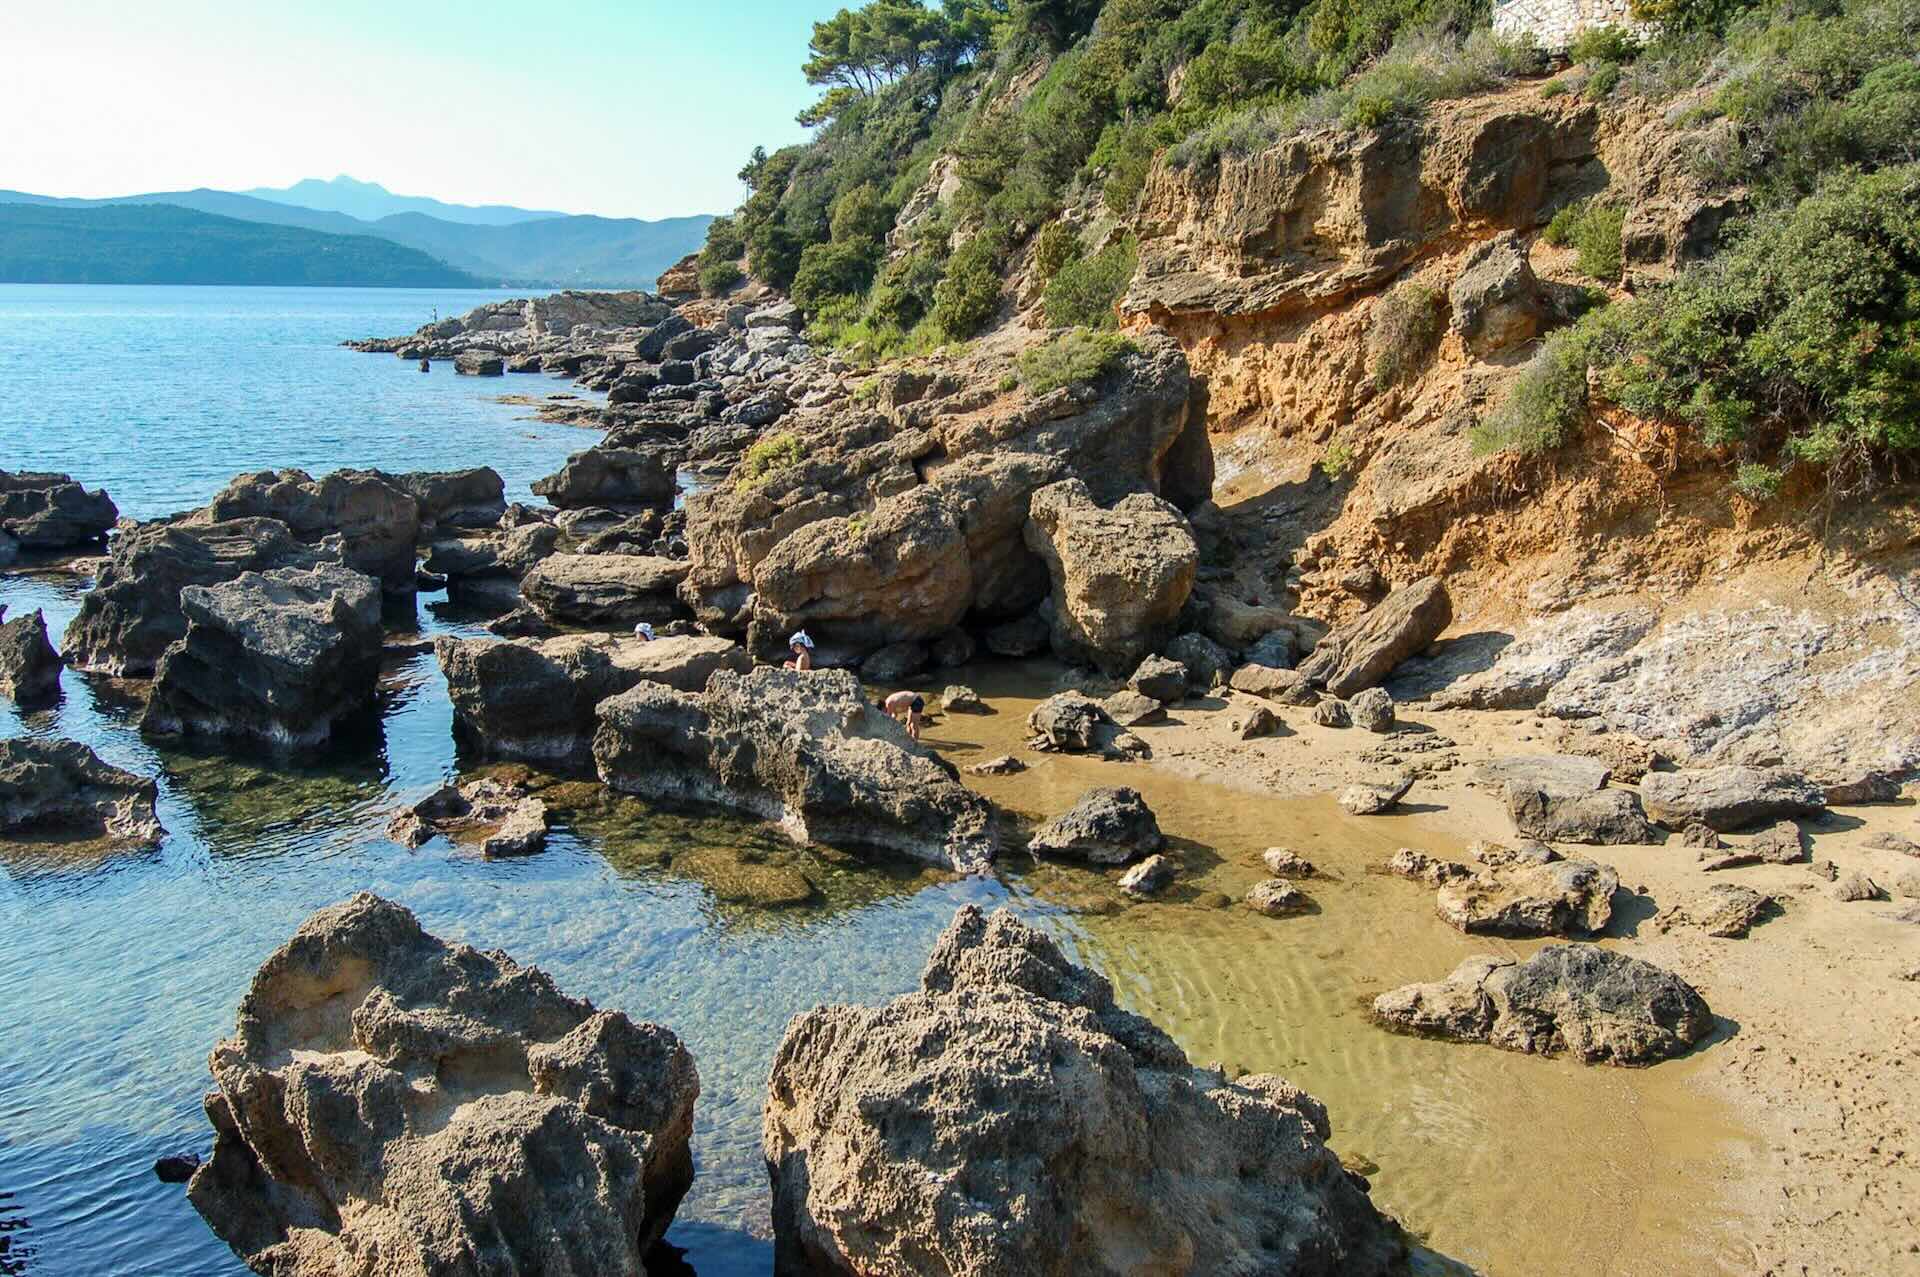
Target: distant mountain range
165 244
511 247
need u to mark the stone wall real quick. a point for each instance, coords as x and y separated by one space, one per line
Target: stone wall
1554 23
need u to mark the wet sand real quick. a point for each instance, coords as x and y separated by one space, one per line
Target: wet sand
1782 1145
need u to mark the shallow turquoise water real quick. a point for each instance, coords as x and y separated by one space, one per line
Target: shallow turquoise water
120 975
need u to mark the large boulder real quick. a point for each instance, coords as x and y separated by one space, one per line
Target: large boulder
60 790
1729 798
1354 657
277 657
1009 1118
803 750
375 518
52 512
132 613
29 667
1108 826
1119 575
507 555
1528 891
605 589
391 1105
1564 798
535 698
1597 1005
617 478
1497 302
470 498
895 518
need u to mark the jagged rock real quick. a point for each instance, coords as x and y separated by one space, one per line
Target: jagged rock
894 663
375 518
1528 891
1825 869
503 818
960 699
1409 862
611 477
1288 687
476 363
897 1136
1780 843
471 498
1372 710
1131 709
1162 678
510 555
1887 840
1022 637
1370 798
1285 862
1607 817
1277 898
802 750
1150 877
604 589
535 699
1728 798
1259 721
277 657
1857 886
1526 669
1070 722
1206 662
1120 575
1869 787
1597 1005
1279 650
449 1112
176 1168
51 511
29 667
1332 713
1352 658
1108 826
1701 836
60 789
1725 910
133 613
1497 302
1003 765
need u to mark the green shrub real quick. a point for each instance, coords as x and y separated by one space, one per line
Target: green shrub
831 271
765 457
1554 88
1606 43
1544 404
969 294
1084 292
1405 328
1604 79
1757 482
1592 229
1337 459
719 277
1076 355
1055 246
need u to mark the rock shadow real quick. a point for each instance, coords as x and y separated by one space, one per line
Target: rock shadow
1630 909
1452 660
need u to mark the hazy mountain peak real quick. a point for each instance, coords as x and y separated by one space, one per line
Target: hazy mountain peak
370 201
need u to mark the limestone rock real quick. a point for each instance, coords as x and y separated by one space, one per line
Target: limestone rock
1277 898
1003 765
1857 886
1279 649
897 1136
1887 840
470 498
1417 865
1332 713
394 1106
1728 798
1206 662
1497 302
1352 658
1370 798
1372 710
1069 722
1150 877
60 789
894 663
803 750
617 478
1529 891
52 512
1131 709
375 519
1108 826
535 699
1287 687
276 657
1703 836
503 818
1284 862
1597 1005
1862 788
29 667
478 363
958 698
1725 910
1120 575
1607 817
1259 721
605 589
1162 678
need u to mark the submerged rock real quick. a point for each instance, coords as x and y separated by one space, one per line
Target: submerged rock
29 667
1729 798
535 698
60 789
278 657
1009 1118
503 818
1150 877
52 512
394 1106
1277 898
1108 826
1597 1005
802 750
1360 655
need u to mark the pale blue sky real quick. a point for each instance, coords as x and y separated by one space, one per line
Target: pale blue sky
627 108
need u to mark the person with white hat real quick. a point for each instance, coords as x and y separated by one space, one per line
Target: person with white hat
643 632
802 648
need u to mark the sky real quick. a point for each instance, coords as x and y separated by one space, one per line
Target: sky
625 108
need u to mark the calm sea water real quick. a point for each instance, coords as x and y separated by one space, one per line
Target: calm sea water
118 976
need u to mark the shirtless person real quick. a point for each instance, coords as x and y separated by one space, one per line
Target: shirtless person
910 704
802 648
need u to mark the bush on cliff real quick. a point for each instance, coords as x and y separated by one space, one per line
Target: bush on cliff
1406 326
1076 355
1085 292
